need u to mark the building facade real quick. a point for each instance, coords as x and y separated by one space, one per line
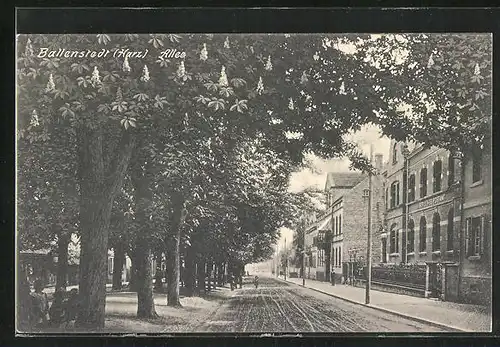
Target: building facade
423 195
475 284
346 219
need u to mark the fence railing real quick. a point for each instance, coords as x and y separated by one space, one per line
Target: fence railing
408 276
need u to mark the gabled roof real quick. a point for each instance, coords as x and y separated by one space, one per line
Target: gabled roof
343 179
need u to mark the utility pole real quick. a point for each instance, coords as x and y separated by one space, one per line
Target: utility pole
286 261
369 245
277 259
303 254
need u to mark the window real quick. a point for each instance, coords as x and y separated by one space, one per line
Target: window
411 188
411 236
340 224
340 255
423 182
394 194
394 239
477 159
474 231
423 234
384 251
437 171
336 225
386 197
436 232
450 230
451 170
395 154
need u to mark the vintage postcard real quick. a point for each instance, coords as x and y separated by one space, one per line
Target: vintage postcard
253 183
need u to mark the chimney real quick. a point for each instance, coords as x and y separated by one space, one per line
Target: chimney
379 162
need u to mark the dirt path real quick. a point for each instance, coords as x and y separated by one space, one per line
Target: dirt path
279 307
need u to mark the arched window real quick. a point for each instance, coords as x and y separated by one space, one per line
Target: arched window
423 182
436 232
395 154
411 236
423 234
451 170
411 188
449 241
437 171
394 239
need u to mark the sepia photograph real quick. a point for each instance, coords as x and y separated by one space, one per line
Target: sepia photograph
265 183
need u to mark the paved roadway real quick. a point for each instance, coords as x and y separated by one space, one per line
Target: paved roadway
281 307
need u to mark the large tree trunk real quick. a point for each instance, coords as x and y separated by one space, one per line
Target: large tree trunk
173 267
173 251
62 260
189 272
143 199
119 263
93 265
133 273
100 179
159 271
145 299
200 266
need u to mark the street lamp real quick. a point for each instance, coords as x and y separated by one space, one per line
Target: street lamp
369 241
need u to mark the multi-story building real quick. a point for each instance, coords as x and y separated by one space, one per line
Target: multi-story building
346 219
476 263
354 226
316 257
423 218
339 184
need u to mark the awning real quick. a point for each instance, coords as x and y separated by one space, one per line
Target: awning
326 225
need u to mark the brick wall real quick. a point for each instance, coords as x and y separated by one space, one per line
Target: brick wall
355 218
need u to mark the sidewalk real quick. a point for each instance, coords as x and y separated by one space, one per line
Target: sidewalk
469 318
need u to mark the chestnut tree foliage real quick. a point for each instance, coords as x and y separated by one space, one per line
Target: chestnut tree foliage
206 143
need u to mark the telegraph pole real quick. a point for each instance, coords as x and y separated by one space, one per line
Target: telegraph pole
303 254
369 245
286 261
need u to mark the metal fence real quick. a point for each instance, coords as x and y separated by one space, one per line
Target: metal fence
408 276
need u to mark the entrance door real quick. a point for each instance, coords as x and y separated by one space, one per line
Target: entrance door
384 250
435 280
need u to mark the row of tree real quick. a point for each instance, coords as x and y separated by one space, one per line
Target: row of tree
195 154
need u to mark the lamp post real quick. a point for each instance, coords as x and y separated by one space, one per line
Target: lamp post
303 254
286 261
369 245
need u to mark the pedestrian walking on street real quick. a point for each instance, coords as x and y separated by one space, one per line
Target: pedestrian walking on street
256 281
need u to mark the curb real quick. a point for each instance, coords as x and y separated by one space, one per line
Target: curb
385 310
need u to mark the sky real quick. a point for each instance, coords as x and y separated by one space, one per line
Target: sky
306 178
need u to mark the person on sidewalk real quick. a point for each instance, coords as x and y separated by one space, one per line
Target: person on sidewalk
39 306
